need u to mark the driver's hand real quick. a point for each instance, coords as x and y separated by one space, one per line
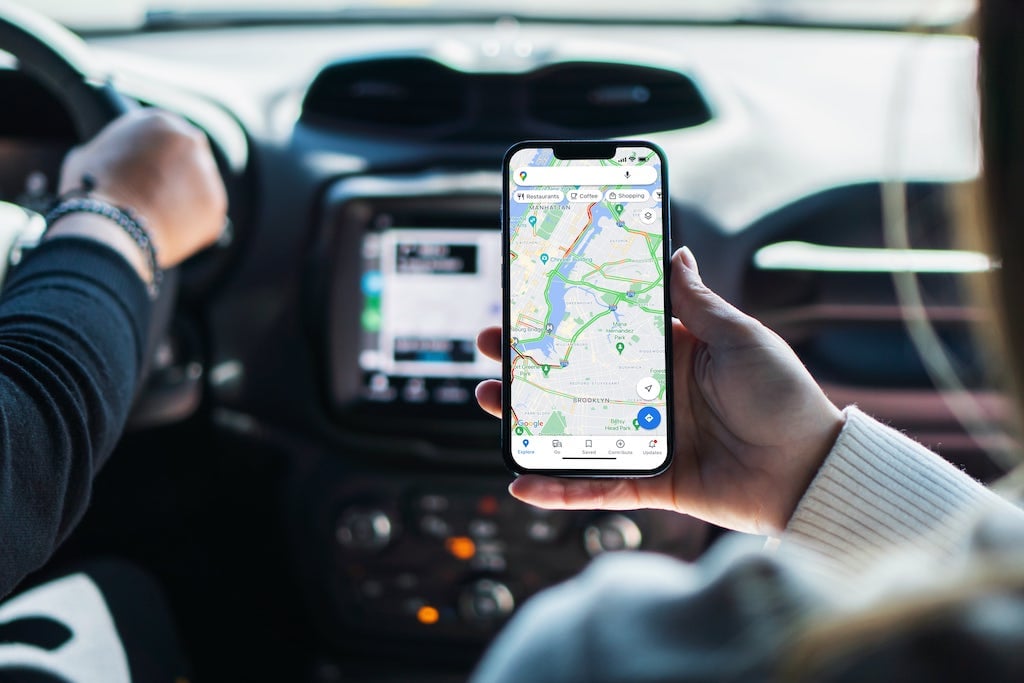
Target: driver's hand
752 426
161 167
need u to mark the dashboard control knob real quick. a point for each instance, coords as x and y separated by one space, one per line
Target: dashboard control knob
610 533
364 529
486 601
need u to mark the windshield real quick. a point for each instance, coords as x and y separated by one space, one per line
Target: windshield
128 14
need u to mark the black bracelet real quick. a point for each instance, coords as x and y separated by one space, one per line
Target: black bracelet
85 189
125 218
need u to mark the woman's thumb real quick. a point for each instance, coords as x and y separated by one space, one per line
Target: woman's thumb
707 316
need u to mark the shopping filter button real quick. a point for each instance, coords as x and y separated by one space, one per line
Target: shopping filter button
648 417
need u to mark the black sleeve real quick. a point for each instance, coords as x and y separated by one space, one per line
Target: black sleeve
73 321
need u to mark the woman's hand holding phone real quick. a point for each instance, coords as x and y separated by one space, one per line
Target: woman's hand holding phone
752 426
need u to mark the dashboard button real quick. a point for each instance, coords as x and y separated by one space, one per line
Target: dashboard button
432 525
372 588
542 531
486 601
407 581
431 502
364 529
611 533
483 528
489 562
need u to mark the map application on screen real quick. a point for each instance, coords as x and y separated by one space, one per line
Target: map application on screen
587 322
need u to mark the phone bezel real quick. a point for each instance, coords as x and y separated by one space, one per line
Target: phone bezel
581 149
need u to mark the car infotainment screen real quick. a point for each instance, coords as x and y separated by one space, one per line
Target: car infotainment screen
427 293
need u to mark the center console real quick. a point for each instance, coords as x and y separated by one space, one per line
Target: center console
416 274
413 535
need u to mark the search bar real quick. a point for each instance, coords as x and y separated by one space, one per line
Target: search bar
575 176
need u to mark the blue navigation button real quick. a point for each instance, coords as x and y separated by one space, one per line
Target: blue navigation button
648 417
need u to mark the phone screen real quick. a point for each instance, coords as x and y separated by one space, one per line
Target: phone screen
587 379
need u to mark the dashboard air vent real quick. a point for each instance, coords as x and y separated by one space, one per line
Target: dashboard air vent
410 93
604 99
821 276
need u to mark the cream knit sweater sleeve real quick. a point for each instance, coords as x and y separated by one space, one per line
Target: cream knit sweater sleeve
878 491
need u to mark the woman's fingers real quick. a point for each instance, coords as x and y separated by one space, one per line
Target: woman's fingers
488 395
706 315
488 392
489 342
575 494
594 494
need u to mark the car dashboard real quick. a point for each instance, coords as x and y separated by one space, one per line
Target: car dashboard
308 472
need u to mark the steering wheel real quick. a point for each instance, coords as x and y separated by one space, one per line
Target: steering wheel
60 61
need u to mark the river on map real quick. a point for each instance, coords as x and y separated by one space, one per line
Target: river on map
558 290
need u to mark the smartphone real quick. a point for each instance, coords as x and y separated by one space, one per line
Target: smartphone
587 377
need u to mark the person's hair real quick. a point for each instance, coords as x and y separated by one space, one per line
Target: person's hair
964 628
1001 62
958 631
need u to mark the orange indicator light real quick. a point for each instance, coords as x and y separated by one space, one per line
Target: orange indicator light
488 505
461 547
427 615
